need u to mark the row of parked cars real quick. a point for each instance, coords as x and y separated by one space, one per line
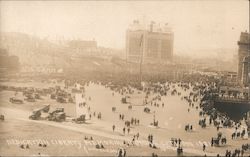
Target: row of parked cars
56 115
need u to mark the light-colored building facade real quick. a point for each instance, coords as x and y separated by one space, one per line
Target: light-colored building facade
149 45
244 59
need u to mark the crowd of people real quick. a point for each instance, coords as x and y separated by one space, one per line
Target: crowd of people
203 89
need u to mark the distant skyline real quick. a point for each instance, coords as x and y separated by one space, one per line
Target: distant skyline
197 25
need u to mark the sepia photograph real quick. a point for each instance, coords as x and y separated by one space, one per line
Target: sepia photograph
124 78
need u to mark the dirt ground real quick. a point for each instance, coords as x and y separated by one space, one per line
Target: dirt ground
67 138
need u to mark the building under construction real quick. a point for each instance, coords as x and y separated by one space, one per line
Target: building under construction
149 45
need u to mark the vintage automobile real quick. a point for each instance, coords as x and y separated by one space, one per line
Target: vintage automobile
30 99
15 100
124 100
57 116
37 96
130 107
61 99
113 109
80 119
57 110
53 96
46 108
36 114
2 117
147 110
60 116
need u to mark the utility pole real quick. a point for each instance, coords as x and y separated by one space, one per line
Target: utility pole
141 58
154 117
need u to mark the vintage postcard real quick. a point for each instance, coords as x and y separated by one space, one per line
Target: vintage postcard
124 78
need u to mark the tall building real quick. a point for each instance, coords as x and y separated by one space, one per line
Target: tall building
152 45
245 80
244 59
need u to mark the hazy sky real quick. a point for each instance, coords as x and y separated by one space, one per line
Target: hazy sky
206 24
